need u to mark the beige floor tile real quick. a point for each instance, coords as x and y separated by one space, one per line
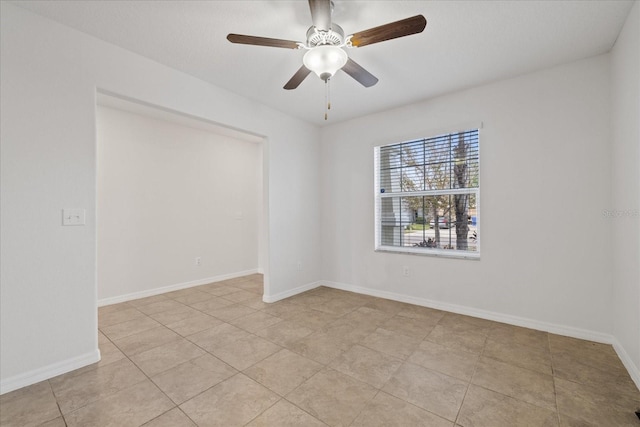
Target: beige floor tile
283 309
313 319
536 359
320 346
148 300
230 312
332 397
109 353
194 297
349 330
172 418
430 390
368 316
193 377
418 328
119 316
367 365
183 292
340 348
255 321
486 408
132 406
566 421
219 290
246 352
214 303
596 405
175 315
256 303
194 324
283 371
233 402
337 294
238 279
588 352
604 376
284 414
455 363
337 306
166 356
108 309
239 296
356 325
391 308
388 411
253 287
218 336
508 334
467 338
28 406
424 313
74 391
160 306
124 329
462 322
284 333
391 343
519 383
58 422
309 299
146 340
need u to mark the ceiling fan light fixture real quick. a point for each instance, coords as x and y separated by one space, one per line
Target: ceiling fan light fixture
325 60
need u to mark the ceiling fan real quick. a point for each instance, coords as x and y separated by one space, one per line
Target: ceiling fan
325 42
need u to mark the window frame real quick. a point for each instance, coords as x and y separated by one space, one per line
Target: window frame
378 197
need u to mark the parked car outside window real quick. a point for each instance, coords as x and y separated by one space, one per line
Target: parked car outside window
442 223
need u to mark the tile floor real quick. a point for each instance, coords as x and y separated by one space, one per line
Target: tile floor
216 355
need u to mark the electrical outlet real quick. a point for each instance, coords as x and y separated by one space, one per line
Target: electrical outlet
406 272
198 261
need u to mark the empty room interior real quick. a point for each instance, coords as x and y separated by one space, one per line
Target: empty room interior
322 213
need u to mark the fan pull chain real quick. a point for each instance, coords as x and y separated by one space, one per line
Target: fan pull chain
327 98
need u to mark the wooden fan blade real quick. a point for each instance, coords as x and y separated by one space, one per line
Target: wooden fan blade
321 14
393 30
364 77
297 78
262 41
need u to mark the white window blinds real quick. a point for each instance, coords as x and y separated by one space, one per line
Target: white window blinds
427 195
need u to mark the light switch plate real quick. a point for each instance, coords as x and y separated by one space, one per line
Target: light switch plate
73 217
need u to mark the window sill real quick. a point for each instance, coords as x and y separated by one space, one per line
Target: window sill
439 253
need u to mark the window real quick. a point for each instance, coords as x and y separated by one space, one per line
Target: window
428 196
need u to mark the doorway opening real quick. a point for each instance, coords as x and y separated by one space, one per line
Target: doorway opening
181 201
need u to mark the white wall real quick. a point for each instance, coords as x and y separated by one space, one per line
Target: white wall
625 206
168 193
545 179
49 76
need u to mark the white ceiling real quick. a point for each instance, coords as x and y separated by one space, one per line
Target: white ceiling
466 43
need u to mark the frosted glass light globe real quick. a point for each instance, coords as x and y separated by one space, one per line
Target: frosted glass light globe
325 60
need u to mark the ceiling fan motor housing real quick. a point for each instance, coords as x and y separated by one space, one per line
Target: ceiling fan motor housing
333 37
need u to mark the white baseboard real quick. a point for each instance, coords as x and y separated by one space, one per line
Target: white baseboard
50 371
176 287
568 331
475 312
291 292
633 370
